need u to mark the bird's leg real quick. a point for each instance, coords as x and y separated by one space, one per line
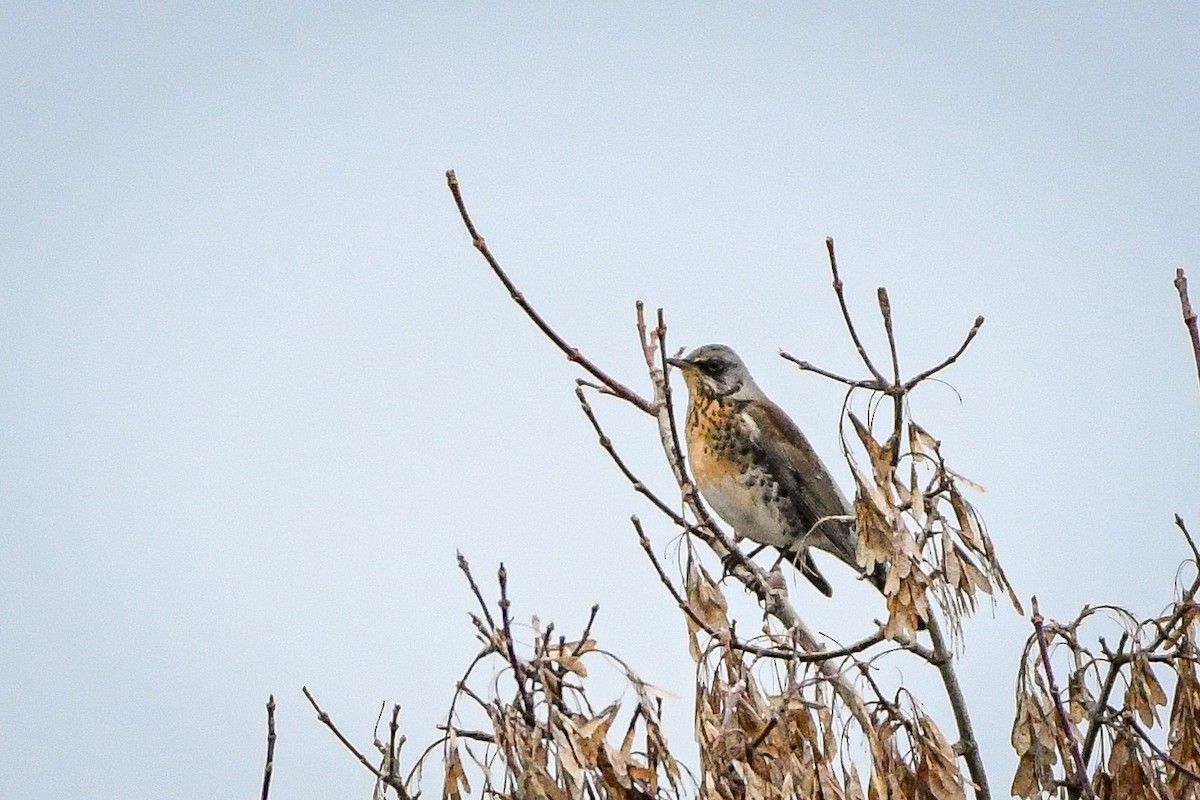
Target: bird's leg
728 563
731 560
756 551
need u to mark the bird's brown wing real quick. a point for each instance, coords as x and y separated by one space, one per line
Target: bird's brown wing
806 481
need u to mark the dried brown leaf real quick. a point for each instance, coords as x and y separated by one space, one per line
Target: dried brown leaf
708 603
1184 735
920 442
908 603
1025 783
968 527
455 780
854 789
1145 693
880 455
937 763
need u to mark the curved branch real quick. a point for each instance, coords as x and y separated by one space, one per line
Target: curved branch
962 348
572 353
737 644
841 298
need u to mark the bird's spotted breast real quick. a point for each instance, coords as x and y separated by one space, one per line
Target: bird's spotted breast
731 474
709 445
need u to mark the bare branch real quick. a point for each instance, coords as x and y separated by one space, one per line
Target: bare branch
1179 523
1189 316
269 767
465 733
466 570
665 579
805 366
968 745
734 642
660 332
587 629
1129 721
572 353
325 720
517 667
392 758
762 736
962 348
607 445
1081 782
885 308
1106 690
841 297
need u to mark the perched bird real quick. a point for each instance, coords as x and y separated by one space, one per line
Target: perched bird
758 471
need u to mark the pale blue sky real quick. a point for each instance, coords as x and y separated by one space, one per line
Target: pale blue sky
259 387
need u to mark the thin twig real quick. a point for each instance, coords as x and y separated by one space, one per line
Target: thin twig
587 629
892 709
665 579
851 382
1179 523
1081 781
924 653
707 529
1189 316
572 353
849 650
463 733
270 765
1182 607
841 297
770 726
962 348
325 720
885 308
1101 704
661 333
517 666
466 570
734 642
393 754
607 445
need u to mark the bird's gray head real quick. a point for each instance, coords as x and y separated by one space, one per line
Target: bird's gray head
713 371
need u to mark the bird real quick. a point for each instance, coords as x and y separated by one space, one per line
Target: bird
757 470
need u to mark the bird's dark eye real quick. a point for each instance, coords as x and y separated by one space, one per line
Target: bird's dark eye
711 367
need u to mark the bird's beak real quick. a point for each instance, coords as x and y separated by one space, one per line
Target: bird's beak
680 363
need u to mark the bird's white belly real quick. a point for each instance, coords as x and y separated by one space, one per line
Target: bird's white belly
743 509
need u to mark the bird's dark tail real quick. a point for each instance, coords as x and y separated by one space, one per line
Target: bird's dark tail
805 565
809 570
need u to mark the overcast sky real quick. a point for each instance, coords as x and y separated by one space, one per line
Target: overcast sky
259 387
